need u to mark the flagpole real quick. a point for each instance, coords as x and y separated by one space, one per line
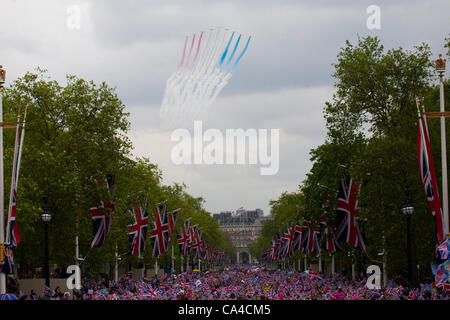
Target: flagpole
2 204
173 258
440 67
187 263
116 267
384 262
22 138
332 264
353 266
143 265
320 263
13 175
76 250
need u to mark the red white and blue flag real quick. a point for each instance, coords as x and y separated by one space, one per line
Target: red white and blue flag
279 246
206 251
310 239
184 238
347 214
329 240
443 250
201 243
192 233
197 245
328 237
160 234
12 227
14 233
442 275
138 230
289 241
428 177
298 232
273 249
103 214
173 216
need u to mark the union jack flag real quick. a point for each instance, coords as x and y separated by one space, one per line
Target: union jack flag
298 231
302 237
160 234
103 214
14 233
428 177
197 245
192 233
441 275
443 250
183 239
310 239
278 242
138 230
273 250
348 230
12 227
173 216
201 243
329 240
288 241
206 251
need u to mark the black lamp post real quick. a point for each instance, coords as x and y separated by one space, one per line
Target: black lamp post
46 217
408 210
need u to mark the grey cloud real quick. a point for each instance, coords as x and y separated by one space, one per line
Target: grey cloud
282 82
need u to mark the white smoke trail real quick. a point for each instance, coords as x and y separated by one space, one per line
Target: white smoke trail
201 75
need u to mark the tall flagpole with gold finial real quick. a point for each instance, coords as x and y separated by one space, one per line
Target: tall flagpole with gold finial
440 68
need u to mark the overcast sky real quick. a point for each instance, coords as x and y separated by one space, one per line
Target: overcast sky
282 82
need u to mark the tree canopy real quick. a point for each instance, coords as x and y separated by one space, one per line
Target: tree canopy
371 135
75 133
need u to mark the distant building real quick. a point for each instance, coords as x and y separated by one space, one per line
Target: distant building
244 227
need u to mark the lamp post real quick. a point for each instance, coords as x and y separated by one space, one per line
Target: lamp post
46 217
408 210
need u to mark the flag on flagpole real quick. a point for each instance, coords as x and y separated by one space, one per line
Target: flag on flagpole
348 229
12 227
102 215
428 177
138 230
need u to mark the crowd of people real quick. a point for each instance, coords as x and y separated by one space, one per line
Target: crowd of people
241 282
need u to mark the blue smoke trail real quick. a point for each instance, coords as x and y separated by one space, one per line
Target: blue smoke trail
234 51
226 50
240 56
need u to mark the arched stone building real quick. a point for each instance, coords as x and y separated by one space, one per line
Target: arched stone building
243 228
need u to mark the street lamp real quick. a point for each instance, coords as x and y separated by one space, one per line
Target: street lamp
46 217
408 210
